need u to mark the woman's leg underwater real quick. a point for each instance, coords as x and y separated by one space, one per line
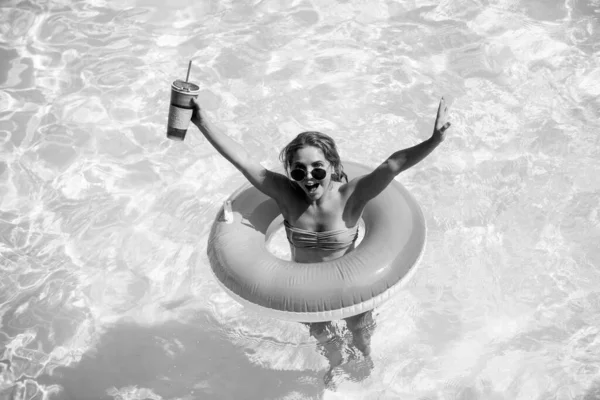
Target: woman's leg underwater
329 343
362 327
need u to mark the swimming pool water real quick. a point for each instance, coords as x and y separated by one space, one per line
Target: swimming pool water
105 288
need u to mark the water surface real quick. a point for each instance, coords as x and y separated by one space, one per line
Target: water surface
105 288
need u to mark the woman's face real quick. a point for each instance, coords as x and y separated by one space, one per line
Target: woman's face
307 159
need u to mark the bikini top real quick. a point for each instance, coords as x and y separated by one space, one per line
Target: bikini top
327 240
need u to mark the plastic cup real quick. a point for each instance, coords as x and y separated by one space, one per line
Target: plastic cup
181 109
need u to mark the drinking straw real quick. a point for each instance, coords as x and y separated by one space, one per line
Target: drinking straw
188 73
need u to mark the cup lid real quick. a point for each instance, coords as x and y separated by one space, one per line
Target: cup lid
185 86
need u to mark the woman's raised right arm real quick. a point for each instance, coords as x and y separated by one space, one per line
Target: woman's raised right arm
271 183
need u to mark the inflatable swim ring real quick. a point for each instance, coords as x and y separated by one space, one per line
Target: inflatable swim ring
395 235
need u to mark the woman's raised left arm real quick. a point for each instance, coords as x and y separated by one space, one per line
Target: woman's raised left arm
368 186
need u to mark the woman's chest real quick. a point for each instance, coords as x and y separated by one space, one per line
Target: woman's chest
327 216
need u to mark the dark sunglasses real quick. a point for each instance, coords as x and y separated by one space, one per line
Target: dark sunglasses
299 174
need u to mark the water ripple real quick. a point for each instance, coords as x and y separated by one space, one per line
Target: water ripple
103 221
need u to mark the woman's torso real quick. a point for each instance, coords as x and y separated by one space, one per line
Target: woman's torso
333 215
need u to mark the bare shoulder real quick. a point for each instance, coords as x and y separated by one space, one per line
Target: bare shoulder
347 189
289 198
288 191
352 209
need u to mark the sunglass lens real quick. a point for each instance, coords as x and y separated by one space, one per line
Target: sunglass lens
298 174
319 173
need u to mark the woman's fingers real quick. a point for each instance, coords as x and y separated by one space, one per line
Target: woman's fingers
442 113
439 110
441 125
196 114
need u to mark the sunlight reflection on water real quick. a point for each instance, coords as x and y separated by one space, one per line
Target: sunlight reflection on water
106 289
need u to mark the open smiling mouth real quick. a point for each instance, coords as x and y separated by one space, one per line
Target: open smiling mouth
311 187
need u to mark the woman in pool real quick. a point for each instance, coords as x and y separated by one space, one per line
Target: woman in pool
321 208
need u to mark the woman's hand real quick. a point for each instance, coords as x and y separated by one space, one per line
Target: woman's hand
441 124
198 115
